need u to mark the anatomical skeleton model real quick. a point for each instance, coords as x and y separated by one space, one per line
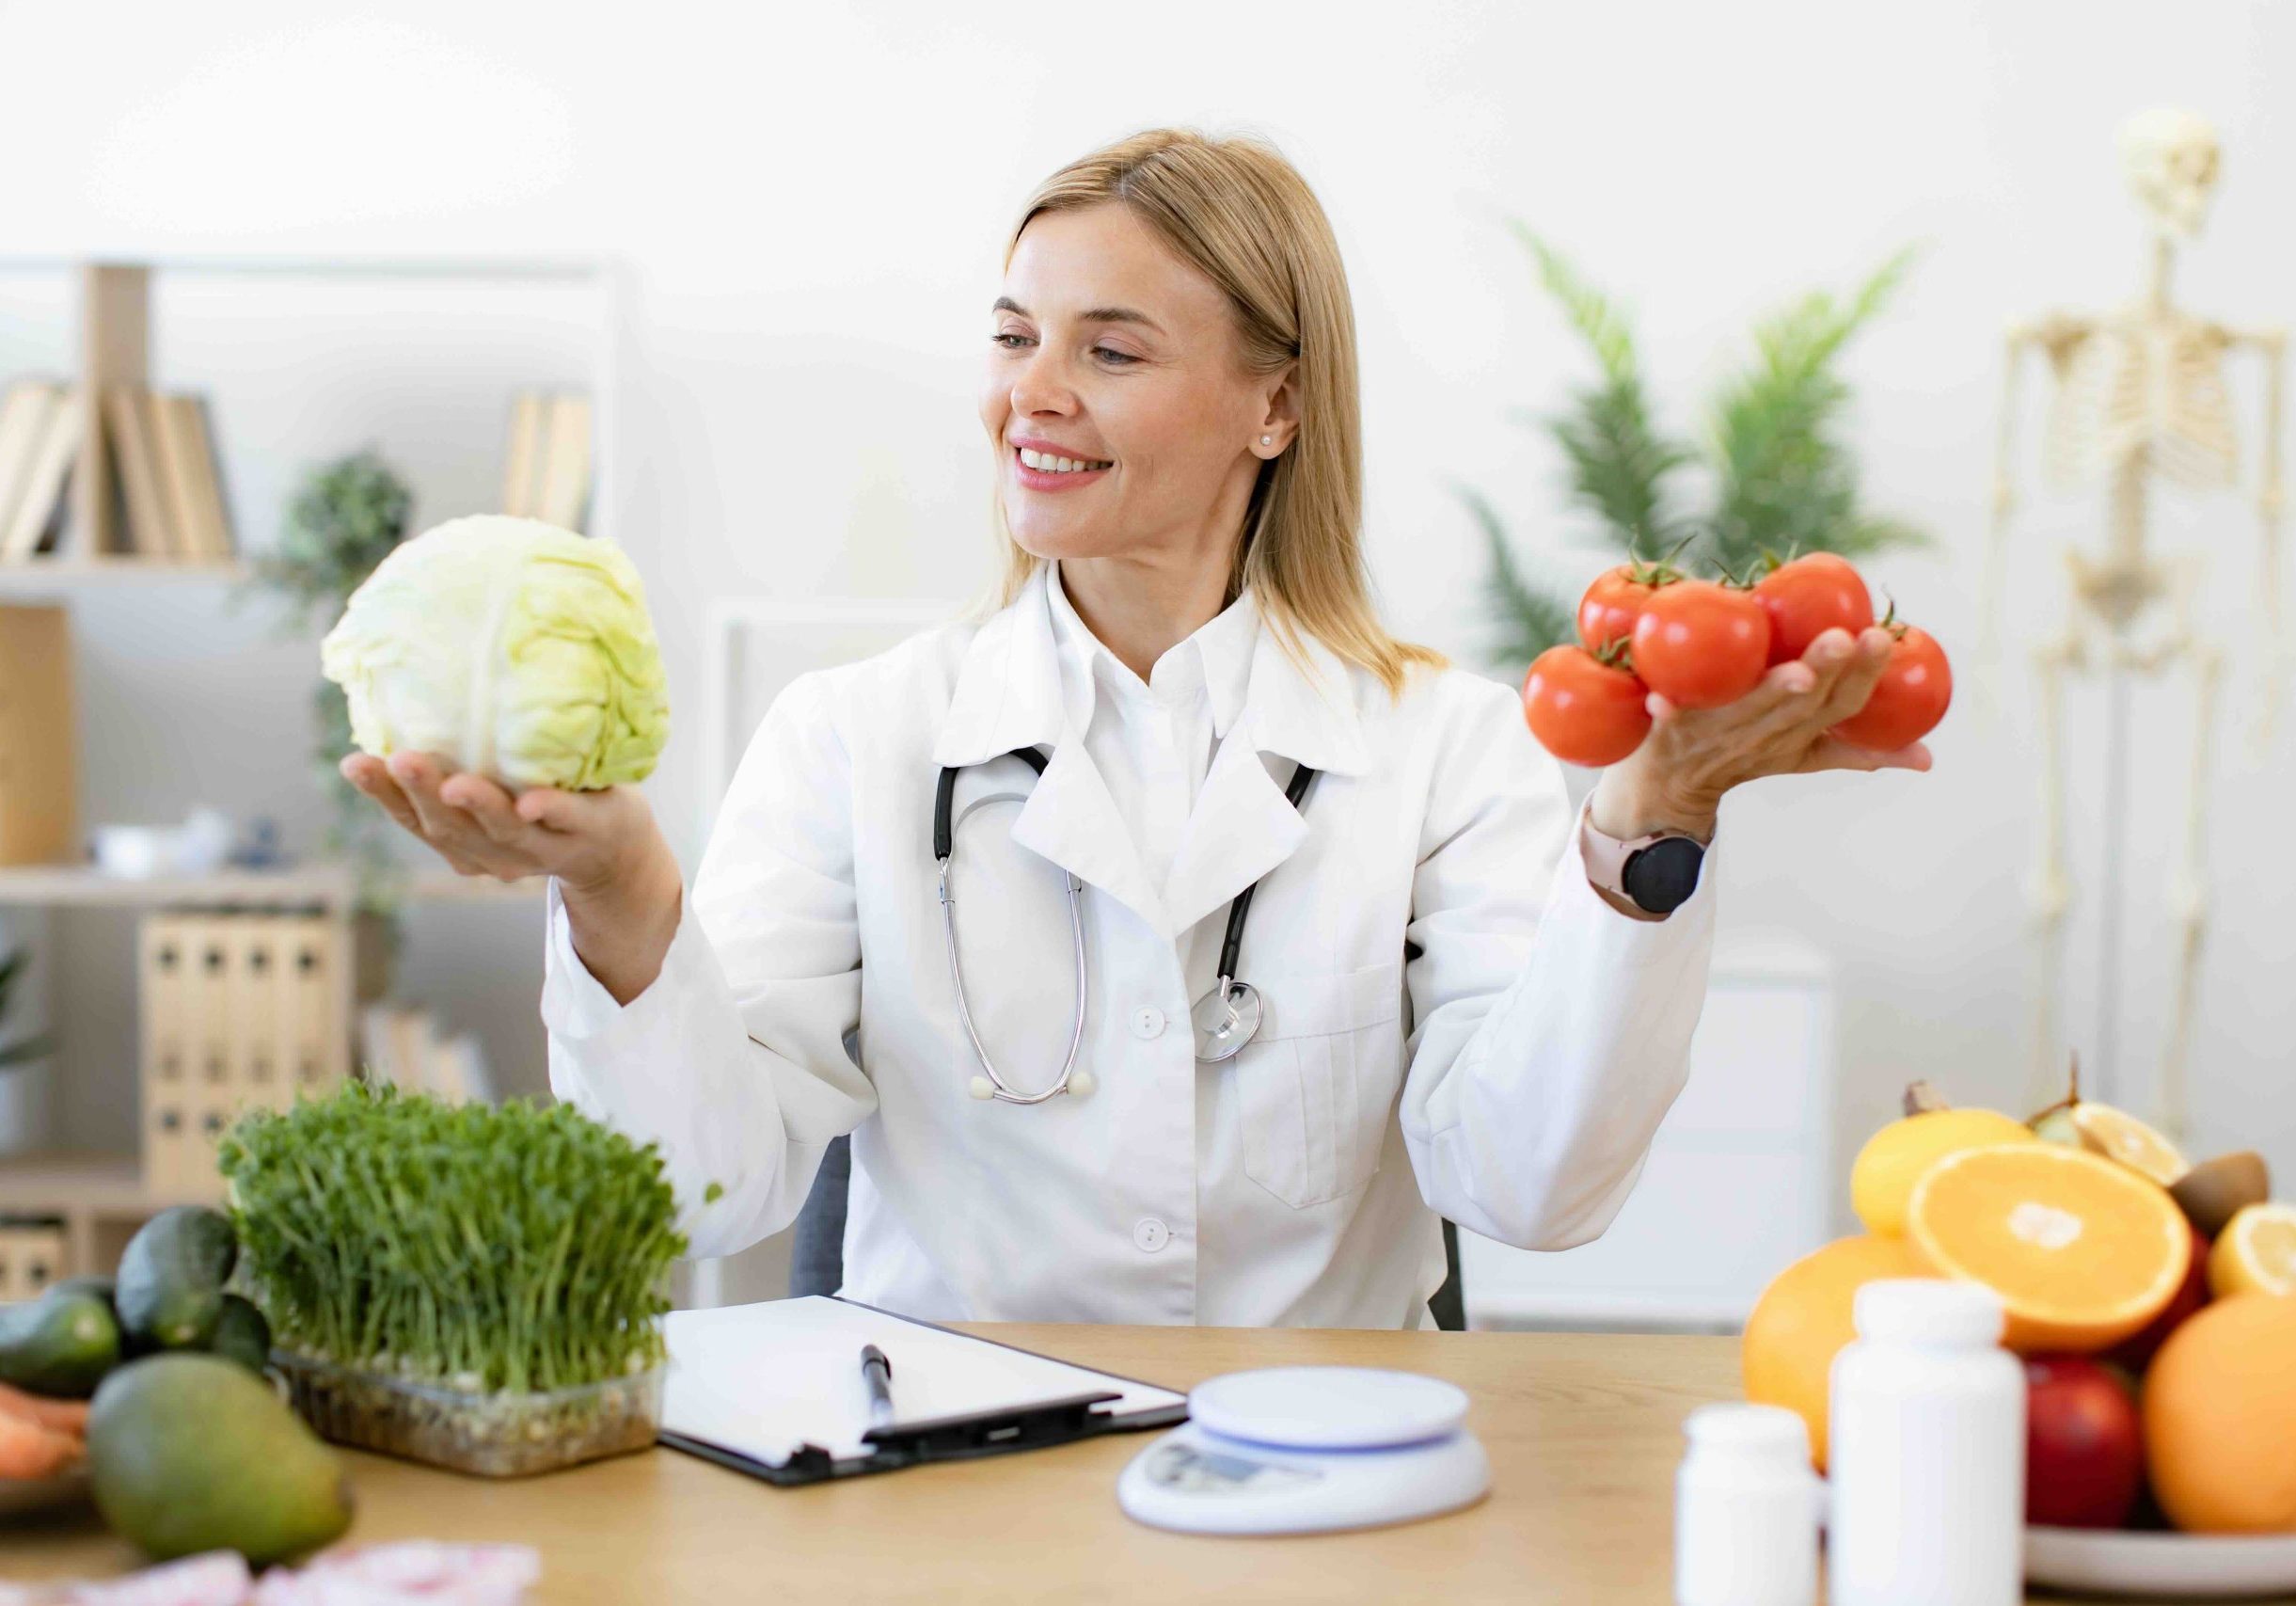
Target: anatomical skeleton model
2139 394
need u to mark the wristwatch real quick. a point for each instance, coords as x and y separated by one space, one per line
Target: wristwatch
1656 873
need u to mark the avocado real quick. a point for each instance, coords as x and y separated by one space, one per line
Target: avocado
170 1284
242 1334
189 1453
100 1285
63 1343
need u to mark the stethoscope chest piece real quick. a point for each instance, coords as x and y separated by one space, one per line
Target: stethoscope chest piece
1226 1019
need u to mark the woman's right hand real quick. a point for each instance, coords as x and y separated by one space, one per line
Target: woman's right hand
594 843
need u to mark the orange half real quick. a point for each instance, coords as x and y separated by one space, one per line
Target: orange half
2082 1252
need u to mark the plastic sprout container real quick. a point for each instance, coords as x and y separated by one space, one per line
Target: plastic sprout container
499 1435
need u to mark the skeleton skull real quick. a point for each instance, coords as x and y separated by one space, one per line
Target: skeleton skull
2170 159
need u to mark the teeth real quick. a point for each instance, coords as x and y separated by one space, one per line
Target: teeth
1051 465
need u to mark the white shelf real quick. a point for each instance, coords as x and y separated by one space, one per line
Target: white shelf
512 267
334 885
33 575
104 1185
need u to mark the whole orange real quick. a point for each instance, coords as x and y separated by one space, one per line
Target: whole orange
2220 1415
1803 1318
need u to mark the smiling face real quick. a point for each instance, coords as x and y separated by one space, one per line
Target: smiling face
1116 398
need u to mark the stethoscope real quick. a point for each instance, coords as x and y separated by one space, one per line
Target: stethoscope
1223 1019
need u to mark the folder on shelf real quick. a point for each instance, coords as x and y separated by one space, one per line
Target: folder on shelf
775 1390
257 1073
164 954
31 1258
208 996
319 1039
38 805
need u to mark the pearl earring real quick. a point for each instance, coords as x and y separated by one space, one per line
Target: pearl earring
1265 438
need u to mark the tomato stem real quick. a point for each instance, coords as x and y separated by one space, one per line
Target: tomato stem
1616 654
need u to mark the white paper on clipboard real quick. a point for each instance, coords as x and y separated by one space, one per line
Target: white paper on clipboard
764 1379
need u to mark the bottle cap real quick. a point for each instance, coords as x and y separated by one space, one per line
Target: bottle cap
1929 1311
1767 1433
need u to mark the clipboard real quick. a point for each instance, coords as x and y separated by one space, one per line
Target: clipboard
774 1390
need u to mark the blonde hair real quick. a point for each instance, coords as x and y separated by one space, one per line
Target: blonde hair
1242 214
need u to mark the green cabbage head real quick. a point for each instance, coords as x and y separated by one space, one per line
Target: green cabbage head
506 646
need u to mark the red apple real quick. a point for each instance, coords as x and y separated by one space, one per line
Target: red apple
2085 1455
2136 1352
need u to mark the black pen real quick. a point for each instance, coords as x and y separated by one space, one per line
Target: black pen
876 1372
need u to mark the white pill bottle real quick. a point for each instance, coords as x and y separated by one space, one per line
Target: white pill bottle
1926 1452
1746 1510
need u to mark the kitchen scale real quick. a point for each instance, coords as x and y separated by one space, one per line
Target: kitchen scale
1305 1450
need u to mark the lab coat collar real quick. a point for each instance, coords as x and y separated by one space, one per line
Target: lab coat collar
1008 695
1008 691
1219 655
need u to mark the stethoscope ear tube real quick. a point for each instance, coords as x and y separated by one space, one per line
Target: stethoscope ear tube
991 1085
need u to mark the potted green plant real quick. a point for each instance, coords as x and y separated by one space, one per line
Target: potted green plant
341 522
1776 473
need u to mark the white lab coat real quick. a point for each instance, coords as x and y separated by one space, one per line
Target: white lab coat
1456 1022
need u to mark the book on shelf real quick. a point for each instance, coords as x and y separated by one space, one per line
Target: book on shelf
402 1046
25 412
547 466
130 424
197 519
39 507
166 471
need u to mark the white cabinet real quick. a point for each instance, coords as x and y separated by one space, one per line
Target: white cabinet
1738 1181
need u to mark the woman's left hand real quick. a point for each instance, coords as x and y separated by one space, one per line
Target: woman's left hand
1675 780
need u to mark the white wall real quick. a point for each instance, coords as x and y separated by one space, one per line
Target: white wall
812 199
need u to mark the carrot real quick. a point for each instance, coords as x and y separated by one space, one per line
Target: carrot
28 1450
61 1416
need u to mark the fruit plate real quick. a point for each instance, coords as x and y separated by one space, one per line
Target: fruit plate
43 1494
2178 1567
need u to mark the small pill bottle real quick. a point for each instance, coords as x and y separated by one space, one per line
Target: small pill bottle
1926 1450
1746 1510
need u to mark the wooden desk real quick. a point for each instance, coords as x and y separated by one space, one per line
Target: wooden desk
1584 1434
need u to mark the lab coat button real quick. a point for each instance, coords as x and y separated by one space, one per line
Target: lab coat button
1151 1234
1148 1021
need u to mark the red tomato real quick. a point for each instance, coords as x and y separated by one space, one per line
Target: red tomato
1808 596
1584 711
1612 604
1911 698
1700 644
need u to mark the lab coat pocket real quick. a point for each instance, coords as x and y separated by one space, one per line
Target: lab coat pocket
1316 1087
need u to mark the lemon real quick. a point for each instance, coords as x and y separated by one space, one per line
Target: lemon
2119 1135
1894 1159
2256 1254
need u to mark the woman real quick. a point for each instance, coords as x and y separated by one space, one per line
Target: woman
1455 1019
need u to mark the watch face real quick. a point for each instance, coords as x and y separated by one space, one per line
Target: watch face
1661 876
